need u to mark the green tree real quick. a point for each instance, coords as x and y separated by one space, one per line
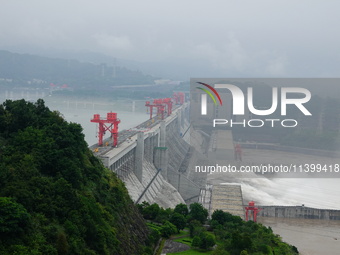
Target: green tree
182 209
154 236
221 217
178 220
163 215
220 251
196 242
151 212
195 228
198 212
142 206
14 218
265 249
210 240
168 229
241 241
207 240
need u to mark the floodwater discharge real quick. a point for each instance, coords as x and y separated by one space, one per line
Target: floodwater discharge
312 192
311 237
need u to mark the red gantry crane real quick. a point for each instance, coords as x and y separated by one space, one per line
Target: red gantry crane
168 102
176 98
253 211
179 97
160 107
158 103
151 106
109 124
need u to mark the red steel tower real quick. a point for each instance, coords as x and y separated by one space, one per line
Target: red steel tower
176 97
160 107
253 211
168 103
158 103
148 104
179 97
109 124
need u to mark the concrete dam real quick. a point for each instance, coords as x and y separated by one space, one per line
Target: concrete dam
157 159
156 162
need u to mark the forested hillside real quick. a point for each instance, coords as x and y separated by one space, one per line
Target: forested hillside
55 196
31 70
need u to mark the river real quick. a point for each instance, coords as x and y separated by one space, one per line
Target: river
311 237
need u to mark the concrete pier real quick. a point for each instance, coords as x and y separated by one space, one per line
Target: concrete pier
139 156
161 156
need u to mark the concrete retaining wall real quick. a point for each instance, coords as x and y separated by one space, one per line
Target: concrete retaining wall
299 212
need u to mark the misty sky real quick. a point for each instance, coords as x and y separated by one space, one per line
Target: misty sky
243 38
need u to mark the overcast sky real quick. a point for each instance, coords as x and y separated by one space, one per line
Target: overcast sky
229 37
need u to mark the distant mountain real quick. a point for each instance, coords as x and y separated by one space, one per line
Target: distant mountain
175 70
25 69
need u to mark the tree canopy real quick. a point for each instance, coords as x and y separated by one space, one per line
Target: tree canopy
56 196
